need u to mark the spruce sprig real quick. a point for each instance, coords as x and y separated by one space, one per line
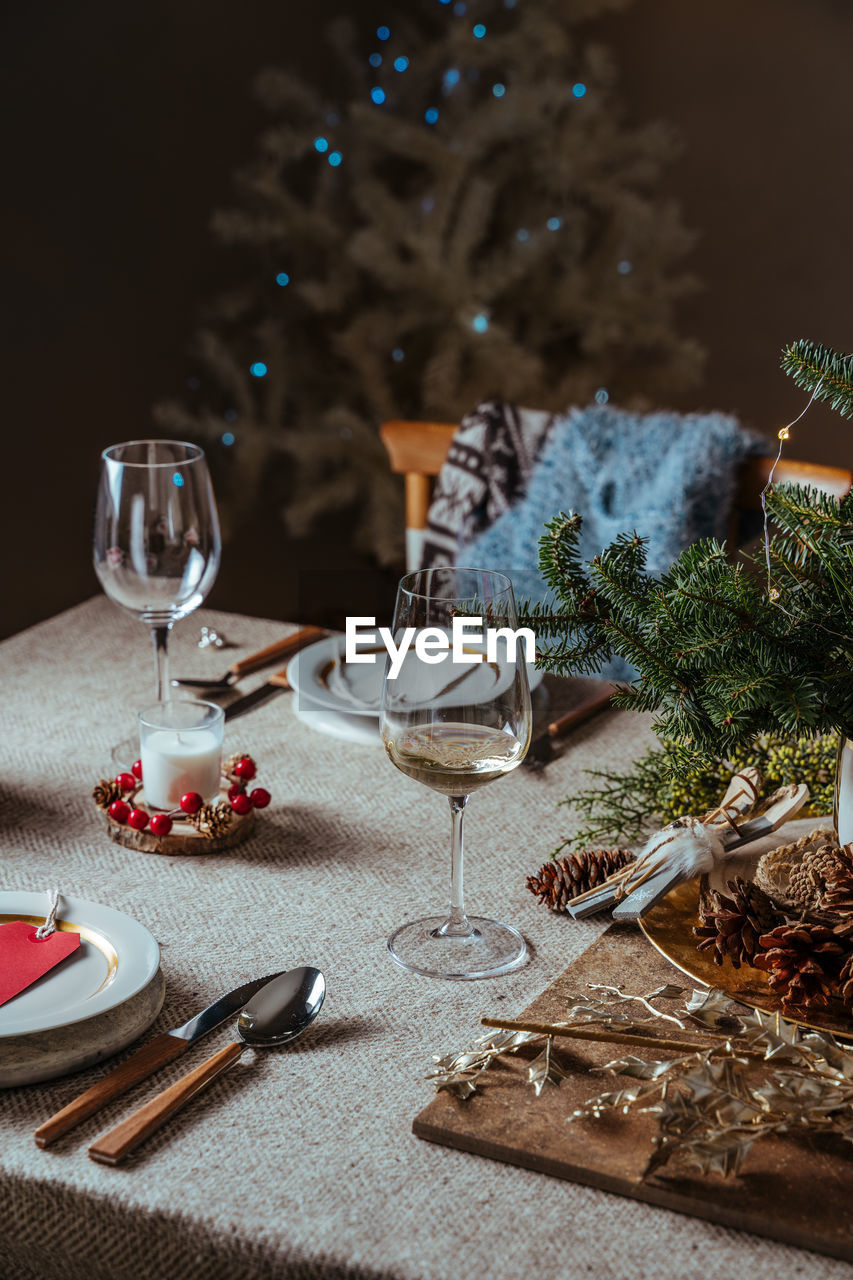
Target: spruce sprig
819 369
720 659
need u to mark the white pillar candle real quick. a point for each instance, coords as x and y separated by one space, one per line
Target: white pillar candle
181 751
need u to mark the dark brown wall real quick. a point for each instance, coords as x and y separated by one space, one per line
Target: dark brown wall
126 121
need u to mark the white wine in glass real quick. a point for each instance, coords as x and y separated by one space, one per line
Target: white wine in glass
157 543
456 722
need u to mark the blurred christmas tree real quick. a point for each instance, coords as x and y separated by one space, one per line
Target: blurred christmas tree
470 220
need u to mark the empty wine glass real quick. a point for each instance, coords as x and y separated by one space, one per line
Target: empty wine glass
456 721
157 541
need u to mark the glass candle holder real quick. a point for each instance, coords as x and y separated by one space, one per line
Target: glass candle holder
180 745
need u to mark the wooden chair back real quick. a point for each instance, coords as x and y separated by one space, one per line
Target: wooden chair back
416 451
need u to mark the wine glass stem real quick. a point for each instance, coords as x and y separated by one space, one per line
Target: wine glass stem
457 923
160 636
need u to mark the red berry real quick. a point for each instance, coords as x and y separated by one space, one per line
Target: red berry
236 789
136 769
161 824
138 819
118 811
191 802
245 769
241 804
260 797
126 781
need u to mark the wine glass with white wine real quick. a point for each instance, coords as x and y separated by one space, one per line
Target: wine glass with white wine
456 719
157 543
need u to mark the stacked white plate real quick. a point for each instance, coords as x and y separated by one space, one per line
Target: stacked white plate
342 698
94 1003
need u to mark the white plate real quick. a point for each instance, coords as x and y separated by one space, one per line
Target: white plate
347 728
116 958
320 675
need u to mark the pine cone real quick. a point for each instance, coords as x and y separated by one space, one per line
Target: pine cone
565 878
837 897
802 962
808 880
733 926
105 793
213 820
845 982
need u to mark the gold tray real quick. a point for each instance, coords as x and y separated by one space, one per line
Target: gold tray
669 928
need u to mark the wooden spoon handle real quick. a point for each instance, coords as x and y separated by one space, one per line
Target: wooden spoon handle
113 1146
281 649
139 1066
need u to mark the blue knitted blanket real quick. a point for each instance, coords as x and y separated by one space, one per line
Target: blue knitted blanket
669 476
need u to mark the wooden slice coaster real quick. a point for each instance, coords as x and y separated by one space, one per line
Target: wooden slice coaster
183 838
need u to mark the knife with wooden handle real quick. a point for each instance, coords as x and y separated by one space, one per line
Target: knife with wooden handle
145 1061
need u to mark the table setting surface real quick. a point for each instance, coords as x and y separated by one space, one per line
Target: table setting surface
301 1161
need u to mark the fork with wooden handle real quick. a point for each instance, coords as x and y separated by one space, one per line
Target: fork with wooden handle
255 661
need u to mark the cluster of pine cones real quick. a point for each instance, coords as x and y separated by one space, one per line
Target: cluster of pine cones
808 961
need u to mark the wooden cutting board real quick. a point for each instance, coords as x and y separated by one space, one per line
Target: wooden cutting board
788 1189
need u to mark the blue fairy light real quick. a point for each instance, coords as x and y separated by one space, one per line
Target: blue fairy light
498 90
401 63
460 8
282 279
522 235
444 1
428 204
398 354
624 267
451 78
178 480
193 383
601 396
509 4
375 60
579 90
480 323
335 158
333 119
258 369
431 115
321 145
383 33
228 437
554 224
378 95
479 31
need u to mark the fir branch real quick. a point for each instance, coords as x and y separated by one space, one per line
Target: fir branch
824 372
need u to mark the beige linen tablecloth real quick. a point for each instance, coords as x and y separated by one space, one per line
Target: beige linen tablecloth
301 1163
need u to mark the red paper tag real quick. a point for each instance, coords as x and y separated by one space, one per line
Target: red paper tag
24 958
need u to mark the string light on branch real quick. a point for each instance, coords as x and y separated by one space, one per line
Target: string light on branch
398 355
334 158
428 204
451 79
522 235
258 369
624 267
401 64
228 438
480 323
377 95
383 33
498 90
479 31
554 224
460 8
602 395
431 117
282 279
375 60
579 90
321 145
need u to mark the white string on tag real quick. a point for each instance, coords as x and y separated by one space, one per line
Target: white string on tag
49 926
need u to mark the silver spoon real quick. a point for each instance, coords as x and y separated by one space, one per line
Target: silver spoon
274 1016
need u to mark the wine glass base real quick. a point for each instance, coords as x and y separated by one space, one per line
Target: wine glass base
490 950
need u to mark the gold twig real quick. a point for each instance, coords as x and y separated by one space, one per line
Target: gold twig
610 1037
